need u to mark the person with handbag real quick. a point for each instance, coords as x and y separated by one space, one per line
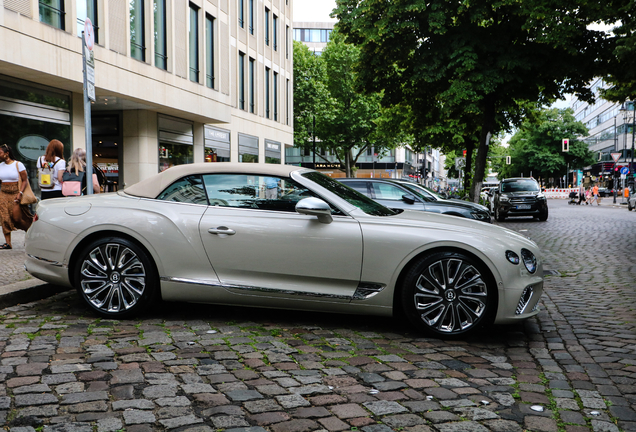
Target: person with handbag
74 178
51 168
15 195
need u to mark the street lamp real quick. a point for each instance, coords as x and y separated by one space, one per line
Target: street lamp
624 108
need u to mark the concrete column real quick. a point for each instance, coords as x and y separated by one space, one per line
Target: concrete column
199 142
140 152
78 135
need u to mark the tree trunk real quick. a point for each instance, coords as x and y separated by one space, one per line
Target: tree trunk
482 152
348 162
470 147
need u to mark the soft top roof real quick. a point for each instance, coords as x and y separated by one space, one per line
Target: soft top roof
153 186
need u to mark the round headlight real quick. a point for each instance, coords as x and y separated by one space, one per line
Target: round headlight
529 260
512 257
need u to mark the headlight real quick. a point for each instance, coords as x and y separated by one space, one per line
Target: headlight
504 198
529 260
480 215
540 196
512 257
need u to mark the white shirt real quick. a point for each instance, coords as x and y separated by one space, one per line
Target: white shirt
59 166
8 173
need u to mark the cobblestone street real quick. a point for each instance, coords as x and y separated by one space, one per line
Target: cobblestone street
205 368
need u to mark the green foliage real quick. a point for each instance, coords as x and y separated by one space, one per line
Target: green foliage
622 75
536 147
467 69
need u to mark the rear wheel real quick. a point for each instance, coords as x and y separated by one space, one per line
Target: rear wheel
449 294
629 205
116 278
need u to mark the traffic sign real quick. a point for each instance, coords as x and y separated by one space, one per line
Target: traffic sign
624 170
616 156
89 34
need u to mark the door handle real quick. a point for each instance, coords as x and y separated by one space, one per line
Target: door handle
222 230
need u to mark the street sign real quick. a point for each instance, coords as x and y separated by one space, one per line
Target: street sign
460 163
624 170
89 34
616 156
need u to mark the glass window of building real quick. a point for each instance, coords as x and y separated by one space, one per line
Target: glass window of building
248 148
275 85
241 13
161 35
241 81
176 142
52 13
137 30
251 78
87 9
267 92
286 41
251 16
217 144
209 46
275 32
193 37
267 26
272 152
287 102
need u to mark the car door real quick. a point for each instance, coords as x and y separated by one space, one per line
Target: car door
391 196
258 244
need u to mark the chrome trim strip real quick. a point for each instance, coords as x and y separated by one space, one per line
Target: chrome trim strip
53 263
253 288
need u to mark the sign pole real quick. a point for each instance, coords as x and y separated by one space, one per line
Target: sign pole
88 40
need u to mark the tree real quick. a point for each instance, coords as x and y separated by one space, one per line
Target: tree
622 75
536 147
478 60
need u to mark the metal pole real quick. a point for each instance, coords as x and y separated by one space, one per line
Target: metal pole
631 165
313 133
87 127
615 162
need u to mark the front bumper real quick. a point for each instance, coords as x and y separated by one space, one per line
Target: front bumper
512 208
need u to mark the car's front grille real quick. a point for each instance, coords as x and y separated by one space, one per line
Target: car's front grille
523 200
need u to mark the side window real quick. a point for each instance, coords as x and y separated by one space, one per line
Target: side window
387 191
254 191
360 186
186 190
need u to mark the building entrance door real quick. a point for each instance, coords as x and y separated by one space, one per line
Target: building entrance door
107 147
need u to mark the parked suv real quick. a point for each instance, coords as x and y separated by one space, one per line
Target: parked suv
519 197
401 194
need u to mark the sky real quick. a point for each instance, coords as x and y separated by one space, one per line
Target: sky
313 10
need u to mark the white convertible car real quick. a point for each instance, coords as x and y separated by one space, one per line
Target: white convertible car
281 237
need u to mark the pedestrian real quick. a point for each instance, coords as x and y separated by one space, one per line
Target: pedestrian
74 177
581 193
595 195
13 176
51 168
588 196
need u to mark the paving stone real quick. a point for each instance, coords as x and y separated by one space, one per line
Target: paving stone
226 422
260 406
243 395
180 421
467 426
34 399
299 425
132 417
384 407
540 424
292 401
133 404
72 398
130 376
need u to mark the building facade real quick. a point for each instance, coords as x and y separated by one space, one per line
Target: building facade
610 128
176 81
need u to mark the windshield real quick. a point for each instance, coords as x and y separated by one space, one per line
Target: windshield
520 186
423 190
351 196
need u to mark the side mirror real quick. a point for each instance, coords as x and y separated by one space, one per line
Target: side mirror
409 199
542 189
315 207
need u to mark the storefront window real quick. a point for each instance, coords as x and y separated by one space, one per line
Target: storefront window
248 148
216 155
174 154
176 142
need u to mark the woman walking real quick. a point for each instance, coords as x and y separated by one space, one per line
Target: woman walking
52 164
75 173
12 174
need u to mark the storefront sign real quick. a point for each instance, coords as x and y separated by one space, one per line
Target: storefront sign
32 146
217 135
327 165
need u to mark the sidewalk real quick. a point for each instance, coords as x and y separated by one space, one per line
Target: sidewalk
16 285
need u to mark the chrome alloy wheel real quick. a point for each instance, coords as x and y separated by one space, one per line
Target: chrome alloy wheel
450 296
113 278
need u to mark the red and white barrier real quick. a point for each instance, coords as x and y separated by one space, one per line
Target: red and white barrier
560 193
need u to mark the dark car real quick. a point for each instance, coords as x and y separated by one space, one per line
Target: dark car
605 192
519 197
400 194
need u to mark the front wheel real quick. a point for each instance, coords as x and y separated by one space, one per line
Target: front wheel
543 216
449 294
116 278
629 205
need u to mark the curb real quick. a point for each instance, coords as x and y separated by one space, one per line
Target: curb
27 291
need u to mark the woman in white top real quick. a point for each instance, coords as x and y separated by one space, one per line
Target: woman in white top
54 159
9 191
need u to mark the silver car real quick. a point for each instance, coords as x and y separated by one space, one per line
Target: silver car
281 237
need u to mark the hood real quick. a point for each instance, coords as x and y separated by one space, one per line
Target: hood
464 204
473 227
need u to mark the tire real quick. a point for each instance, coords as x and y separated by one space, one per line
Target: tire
544 216
629 205
449 294
116 278
498 215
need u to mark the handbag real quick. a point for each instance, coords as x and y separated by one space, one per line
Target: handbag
28 197
45 173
